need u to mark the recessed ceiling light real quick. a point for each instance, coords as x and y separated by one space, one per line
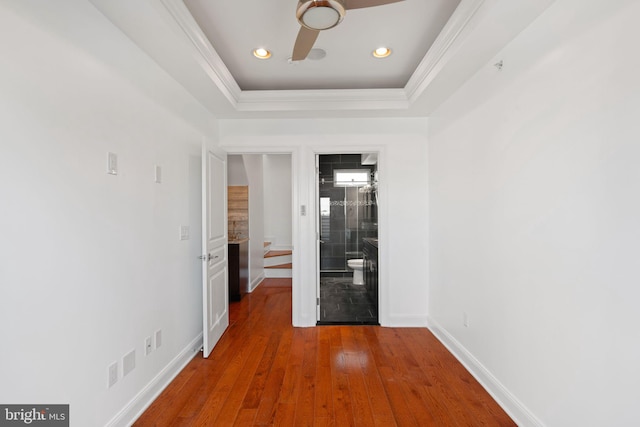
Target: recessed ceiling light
261 53
382 52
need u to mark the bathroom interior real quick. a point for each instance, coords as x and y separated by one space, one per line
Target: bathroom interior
347 191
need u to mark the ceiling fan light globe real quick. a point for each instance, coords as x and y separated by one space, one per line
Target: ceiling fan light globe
321 18
320 14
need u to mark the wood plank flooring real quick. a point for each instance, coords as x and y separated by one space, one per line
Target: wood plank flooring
264 372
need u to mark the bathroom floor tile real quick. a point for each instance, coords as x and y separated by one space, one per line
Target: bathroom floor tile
343 302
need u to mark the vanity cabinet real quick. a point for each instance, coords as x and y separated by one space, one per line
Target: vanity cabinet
238 269
370 269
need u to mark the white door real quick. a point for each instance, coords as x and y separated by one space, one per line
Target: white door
214 244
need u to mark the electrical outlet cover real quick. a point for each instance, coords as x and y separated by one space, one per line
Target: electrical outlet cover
184 232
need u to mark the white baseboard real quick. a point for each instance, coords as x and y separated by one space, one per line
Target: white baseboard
512 406
255 282
148 394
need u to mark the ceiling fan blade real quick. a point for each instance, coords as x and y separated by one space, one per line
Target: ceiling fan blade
304 42
359 4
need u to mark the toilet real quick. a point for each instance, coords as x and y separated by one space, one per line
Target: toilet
357 266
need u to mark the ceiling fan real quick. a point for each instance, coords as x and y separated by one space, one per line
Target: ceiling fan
317 15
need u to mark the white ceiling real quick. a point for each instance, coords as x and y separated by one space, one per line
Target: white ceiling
235 28
213 60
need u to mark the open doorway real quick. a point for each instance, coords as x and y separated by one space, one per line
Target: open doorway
260 220
347 227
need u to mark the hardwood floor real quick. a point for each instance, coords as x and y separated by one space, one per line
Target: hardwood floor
264 372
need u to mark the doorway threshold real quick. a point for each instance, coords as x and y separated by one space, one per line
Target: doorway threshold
356 323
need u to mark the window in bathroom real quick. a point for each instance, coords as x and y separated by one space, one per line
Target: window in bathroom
351 177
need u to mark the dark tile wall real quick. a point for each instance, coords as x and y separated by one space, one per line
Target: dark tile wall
348 224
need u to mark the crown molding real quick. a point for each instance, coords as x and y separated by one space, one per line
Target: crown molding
323 99
434 61
208 58
443 48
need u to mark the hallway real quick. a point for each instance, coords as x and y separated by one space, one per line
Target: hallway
264 372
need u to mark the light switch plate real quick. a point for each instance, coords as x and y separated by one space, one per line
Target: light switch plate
158 338
128 362
112 164
158 174
113 374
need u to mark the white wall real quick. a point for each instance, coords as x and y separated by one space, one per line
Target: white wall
92 263
236 171
403 211
534 187
277 200
254 169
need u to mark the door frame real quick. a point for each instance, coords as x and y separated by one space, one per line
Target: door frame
381 218
293 152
